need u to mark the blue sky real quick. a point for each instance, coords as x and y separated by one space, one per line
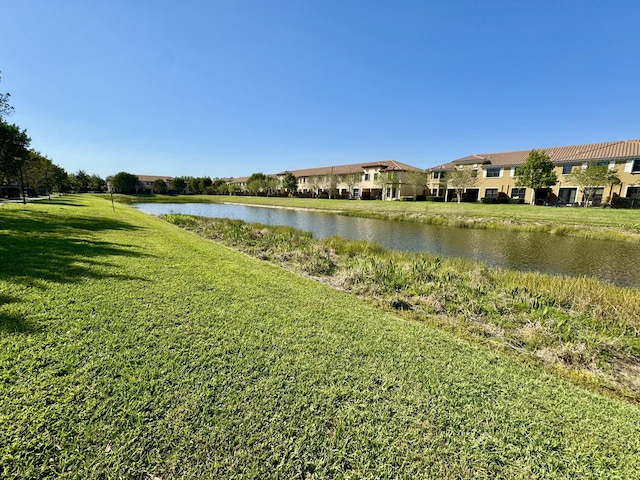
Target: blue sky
229 88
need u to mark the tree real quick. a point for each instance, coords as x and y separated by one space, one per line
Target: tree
257 182
195 185
38 171
59 179
593 177
386 180
83 179
179 184
461 179
199 185
14 144
330 183
218 187
417 179
536 173
351 179
72 183
97 183
5 108
124 182
314 184
290 183
272 184
159 186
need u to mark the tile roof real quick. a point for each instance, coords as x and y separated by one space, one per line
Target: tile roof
587 152
151 178
238 180
444 166
388 165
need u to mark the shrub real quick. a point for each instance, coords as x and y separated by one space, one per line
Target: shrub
625 202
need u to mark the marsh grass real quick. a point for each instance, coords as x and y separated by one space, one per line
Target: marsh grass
580 326
134 349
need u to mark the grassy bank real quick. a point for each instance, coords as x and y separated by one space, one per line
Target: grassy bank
133 349
586 329
597 223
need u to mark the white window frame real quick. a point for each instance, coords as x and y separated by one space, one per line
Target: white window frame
485 173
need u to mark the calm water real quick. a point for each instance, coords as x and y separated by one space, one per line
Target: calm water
613 262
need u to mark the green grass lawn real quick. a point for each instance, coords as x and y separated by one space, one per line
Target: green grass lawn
580 327
132 349
604 223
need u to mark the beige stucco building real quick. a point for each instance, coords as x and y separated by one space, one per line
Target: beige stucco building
495 173
385 179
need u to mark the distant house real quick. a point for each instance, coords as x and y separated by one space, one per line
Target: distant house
10 191
496 173
240 183
386 179
145 183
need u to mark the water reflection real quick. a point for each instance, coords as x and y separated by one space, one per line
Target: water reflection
614 262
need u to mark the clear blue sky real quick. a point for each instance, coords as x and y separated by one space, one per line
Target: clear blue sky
229 88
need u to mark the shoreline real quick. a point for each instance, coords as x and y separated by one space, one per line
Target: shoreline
614 225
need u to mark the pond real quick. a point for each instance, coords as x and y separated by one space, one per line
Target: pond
613 262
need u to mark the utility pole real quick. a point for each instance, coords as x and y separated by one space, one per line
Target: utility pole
24 197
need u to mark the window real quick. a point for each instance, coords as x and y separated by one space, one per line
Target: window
491 193
635 168
366 177
493 172
596 196
633 192
518 192
567 196
602 163
436 175
566 168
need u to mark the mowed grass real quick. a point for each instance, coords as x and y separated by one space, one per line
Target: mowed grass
132 349
580 327
600 223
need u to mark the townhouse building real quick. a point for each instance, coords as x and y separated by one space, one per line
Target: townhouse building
496 174
145 183
385 179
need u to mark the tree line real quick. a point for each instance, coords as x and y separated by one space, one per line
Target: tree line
124 182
